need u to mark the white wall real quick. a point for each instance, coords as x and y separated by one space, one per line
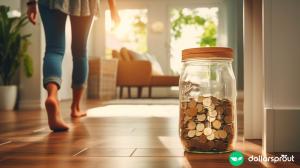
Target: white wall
281 39
13 4
30 88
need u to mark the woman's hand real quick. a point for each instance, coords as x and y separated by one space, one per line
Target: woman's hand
115 17
31 13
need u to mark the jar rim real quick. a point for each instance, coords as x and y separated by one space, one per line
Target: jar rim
208 53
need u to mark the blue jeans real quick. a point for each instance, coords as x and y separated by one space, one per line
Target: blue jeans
54 22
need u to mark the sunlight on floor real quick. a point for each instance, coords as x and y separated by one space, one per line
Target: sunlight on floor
146 111
167 140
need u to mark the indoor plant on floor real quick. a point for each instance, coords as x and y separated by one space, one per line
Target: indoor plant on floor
13 51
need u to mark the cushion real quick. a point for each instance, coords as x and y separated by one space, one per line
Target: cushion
125 55
137 56
115 54
156 68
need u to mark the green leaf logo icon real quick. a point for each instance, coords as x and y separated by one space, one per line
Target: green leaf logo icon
236 158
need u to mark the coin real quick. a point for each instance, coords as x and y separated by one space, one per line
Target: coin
217 134
214 100
228 110
191 133
205 110
213 113
202 146
228 119
210 137
210 145
183 133
222 134
228 129
195 143
207 131
220 110
200 99
211 107
192 104
191 125
220 145
211 119
200 108
198 133
184 105
207 101
186 119
217 124
227 107
220 117
200 127
202 138
206 123
201 117
191 112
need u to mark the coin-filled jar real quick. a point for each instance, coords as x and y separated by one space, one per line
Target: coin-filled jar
207 87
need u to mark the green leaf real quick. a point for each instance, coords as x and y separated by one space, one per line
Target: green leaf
13 46
207 38
28 65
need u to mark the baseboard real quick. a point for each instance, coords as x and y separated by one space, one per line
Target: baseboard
30 104
281 130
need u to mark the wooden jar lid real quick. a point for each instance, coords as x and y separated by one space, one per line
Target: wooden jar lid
211 53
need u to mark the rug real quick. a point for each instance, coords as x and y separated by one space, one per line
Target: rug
142 102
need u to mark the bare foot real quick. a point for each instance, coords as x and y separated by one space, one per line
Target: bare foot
75 112
55 120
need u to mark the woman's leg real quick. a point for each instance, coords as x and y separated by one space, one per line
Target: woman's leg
80 32
54 26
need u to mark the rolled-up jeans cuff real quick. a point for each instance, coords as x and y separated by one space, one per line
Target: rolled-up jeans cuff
79 86
52 79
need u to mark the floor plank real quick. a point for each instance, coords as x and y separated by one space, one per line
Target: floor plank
107 152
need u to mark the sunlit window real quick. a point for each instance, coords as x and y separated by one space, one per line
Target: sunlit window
131 33
191 28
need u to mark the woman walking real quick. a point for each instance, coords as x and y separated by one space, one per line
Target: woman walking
54 14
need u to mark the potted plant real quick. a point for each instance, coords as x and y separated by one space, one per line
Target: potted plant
13 51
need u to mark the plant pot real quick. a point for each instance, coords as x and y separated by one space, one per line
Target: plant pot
8 97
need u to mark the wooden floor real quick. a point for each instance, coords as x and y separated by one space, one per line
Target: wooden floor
116 141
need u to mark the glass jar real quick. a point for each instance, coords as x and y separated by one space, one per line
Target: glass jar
207 94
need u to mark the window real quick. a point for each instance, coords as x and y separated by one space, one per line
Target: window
131 33
197 27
